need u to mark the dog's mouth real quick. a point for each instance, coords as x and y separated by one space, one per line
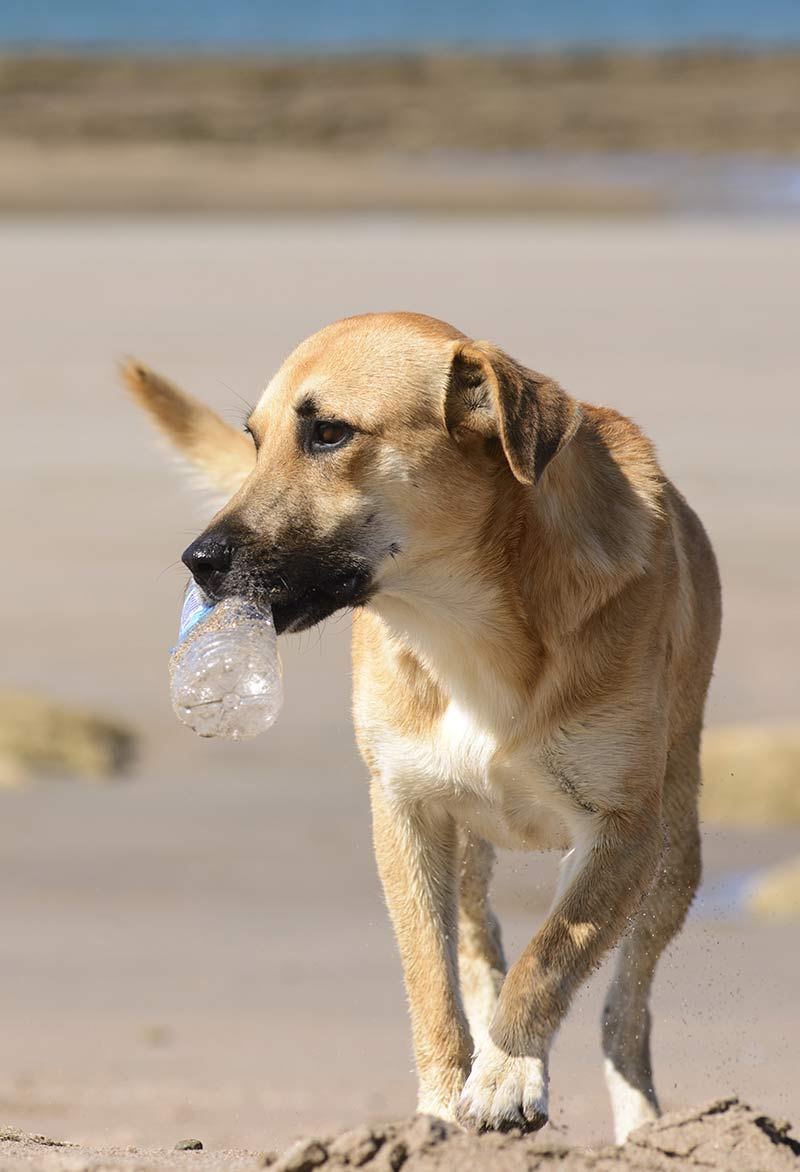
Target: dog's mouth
301 586
297 609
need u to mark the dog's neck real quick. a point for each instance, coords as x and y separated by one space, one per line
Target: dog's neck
463 633
486 622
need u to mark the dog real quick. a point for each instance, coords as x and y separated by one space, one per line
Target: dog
536 611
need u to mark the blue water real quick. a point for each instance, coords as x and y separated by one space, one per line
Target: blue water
681 183
370 24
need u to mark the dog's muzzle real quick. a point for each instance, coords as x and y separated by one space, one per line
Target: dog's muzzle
302 587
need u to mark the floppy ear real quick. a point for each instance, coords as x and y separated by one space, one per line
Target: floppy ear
492 395
223 455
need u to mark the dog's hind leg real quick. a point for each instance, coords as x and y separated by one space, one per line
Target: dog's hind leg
626 1016
481 964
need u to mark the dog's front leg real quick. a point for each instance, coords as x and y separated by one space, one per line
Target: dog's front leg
610 870
417 854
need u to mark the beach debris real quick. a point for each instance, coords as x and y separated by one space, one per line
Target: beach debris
156 1034
775 893
41 737
14 1136
225 672
750 775
189 1145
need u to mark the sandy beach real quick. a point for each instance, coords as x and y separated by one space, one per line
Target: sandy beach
559 132
202 949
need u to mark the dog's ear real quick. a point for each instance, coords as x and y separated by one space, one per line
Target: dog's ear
223 455
492 395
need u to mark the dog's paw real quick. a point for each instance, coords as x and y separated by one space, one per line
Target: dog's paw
504 1092
439 1091
442 1107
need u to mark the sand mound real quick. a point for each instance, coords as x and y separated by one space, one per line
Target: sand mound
725 1134
750 775
40 737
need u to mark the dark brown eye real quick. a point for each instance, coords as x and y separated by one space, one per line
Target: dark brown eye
328 433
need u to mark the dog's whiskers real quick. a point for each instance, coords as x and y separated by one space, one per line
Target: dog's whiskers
166 570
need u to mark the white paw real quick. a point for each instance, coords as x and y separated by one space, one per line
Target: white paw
631 1106
439 1090
504 1092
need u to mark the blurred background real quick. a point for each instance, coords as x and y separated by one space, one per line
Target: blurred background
193 939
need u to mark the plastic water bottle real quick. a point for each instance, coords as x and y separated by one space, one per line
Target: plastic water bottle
225 672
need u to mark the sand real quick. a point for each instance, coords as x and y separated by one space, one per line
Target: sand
724 1134
411 132
202 950
727 102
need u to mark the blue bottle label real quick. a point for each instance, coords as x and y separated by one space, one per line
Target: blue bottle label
195 608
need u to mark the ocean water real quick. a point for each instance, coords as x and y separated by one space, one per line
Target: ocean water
339 25
685 185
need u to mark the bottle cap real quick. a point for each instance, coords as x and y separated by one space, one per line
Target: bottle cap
195 608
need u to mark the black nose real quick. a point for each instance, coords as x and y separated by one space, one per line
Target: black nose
209 559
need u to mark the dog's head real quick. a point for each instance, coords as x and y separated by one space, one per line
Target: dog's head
375 451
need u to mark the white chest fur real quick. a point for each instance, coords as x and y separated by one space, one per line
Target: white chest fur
509 799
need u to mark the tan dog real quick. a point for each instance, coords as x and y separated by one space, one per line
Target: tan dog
537 612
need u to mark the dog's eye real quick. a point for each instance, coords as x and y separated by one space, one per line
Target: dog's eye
329 433
249 431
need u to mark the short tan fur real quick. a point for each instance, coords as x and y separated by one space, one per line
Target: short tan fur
531 662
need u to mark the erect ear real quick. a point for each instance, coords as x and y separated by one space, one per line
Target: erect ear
492 395
223 455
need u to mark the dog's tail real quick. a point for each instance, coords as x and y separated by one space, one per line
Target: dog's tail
223 456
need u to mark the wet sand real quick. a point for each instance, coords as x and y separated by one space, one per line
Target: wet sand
203 950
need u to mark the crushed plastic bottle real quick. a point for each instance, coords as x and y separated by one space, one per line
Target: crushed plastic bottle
225 673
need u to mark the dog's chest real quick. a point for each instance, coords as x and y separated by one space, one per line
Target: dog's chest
507 797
